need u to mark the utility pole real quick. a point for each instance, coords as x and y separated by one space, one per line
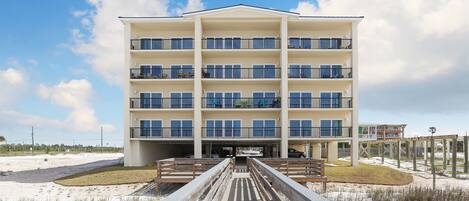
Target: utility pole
101 138
32 140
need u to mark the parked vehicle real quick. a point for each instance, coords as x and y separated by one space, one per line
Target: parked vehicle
293 153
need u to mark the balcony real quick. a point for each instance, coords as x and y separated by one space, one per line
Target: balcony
321 43
162 73
161 103
320 132
161 132
162 44
319 73
239 43
241 103
240 132
320 103
233 72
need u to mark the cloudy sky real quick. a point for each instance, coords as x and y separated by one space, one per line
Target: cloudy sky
61 63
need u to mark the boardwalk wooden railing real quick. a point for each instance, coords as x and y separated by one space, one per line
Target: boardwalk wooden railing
182 170
301 170
208 186
273 185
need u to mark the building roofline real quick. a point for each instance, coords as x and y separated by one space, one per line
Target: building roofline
240 5
295 14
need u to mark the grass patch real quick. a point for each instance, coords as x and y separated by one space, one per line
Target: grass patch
366 174
112 175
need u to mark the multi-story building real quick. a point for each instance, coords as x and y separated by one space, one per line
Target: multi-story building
239 80
381 131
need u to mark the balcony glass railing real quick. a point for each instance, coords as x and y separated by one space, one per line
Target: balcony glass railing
236 72
161 44
241 132
240 103
161 132
161 103
162 73
308 102
319 132
321 43
319 73
241 43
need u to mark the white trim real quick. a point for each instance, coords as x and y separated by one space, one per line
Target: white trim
255 9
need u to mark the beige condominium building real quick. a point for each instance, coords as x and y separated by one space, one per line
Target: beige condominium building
239 81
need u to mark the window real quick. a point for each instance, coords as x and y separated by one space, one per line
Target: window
232 71
330 43
263 128
223 71
181 43
264 100
223 43
300 71
227 128
264 43
151 44
151 71
151 128
181 100
182 71
300 127
264 71
324 43
151 100
294 43
331 128
181 128
222 99
301 100
331 100
306 43
331 71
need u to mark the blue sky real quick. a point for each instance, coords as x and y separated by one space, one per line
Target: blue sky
49 45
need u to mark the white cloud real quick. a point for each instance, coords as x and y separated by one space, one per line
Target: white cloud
192 5
305 8
408 51
74 95
99 38
13 84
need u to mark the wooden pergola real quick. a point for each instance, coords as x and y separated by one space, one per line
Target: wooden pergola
365 150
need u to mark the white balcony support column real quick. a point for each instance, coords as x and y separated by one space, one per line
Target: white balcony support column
316 151
332 151
198 88
126 79
355 94
284 86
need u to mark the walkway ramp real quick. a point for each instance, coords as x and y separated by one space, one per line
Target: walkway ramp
260 182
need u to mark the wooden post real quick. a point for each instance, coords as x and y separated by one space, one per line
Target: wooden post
455 150
368 148
398 154
466 154
407 150
433 162
382 152
444 154
425 152
414 155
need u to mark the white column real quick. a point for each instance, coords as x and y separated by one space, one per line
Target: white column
355 94
332 151
198 88
316 151
284 86
126 79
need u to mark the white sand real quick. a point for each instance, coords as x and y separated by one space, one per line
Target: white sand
420 179
32 177
21 163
